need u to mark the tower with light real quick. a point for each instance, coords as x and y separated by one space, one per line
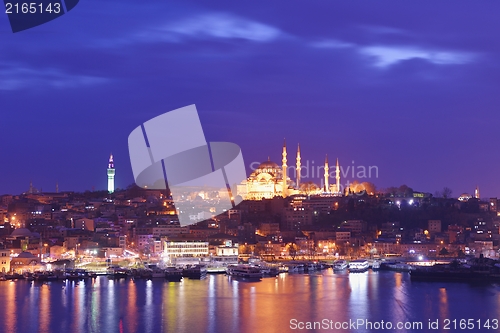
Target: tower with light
111 175
327 176
284 166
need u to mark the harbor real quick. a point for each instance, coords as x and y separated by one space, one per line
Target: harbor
102 304
478 269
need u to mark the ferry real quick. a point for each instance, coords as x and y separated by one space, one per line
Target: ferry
270 271
195 272
340 265
117 273
173 274
396 266
358 266
44 276
244 271
76 274
157 273
477 269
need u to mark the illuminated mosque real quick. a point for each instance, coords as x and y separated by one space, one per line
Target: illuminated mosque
270 180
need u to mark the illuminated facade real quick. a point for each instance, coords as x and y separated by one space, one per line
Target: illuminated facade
179 249
270 180
111 175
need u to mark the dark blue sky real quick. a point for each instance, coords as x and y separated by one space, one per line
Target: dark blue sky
410 87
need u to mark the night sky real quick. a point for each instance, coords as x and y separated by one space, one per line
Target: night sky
410 87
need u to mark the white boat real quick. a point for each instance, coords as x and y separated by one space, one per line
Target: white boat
340 265
376 265
357 266
291 268
244 271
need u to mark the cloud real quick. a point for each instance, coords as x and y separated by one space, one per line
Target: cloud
385 56
331 44
384 30
218 25
16 78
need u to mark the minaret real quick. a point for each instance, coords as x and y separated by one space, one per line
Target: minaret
57 187
327 175
337 178
285 186
31 187
111 175
476 192
298 166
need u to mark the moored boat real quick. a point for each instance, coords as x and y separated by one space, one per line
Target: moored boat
195 271
244 271
358 266
396 266
173 274
340 265
44 276
478 269
157 273
117 274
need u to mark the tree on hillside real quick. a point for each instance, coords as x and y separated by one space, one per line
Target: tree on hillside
445 193
308 187
293 249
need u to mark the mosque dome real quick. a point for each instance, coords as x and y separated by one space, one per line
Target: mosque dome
268 165
26 255
21 232
465 197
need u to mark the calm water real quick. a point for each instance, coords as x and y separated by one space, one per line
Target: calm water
221 304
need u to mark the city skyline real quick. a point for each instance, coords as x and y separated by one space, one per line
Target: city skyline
314 174
416 98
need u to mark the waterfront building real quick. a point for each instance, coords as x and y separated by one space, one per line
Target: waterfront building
177 250
229 248
24 262
4 260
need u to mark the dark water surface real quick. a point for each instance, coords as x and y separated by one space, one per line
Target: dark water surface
221 304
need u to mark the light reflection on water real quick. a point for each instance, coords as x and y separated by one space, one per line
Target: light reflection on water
222 304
